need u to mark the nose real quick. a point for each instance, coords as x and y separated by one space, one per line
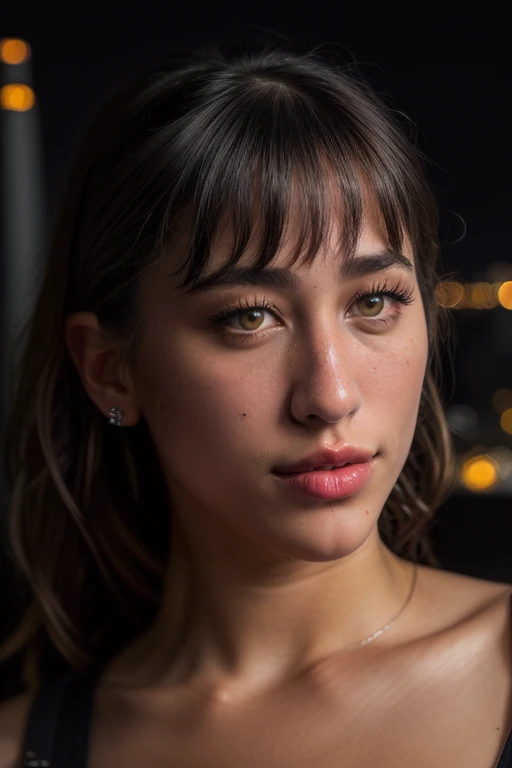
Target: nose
325 387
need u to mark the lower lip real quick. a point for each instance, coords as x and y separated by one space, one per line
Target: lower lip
330 483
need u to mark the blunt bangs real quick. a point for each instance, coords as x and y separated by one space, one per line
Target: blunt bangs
261 141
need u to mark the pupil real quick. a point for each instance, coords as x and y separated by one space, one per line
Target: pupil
373 302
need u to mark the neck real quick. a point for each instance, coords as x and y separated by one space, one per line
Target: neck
225 626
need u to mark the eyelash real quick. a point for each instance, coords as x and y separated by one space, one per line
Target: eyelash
398 293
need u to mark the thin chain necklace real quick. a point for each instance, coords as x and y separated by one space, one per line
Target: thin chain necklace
380 631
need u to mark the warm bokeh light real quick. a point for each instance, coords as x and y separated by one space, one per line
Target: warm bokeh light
506 421
17 97
449 294
502 399
478 295
480 473
505 294
483 296
14 51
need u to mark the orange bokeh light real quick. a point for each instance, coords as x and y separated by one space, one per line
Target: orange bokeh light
505 294
17 97
14 51
480 473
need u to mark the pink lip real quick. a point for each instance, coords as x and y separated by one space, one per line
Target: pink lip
328 457
330 483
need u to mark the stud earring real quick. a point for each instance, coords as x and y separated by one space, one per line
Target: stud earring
116 414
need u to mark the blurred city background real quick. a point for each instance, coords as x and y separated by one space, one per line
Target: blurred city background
451 79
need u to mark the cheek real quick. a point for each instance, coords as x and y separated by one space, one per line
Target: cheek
196 402
399 370
398 365
393 391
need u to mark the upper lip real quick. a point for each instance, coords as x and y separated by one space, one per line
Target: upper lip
346 454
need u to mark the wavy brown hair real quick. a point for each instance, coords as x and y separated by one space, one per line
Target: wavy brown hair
193 132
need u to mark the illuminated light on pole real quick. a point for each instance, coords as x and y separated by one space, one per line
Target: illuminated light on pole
14 51
506 421
23 206
505 294
17 97
480 473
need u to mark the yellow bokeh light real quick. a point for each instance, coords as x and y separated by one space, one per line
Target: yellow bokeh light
505 294
480 473
17 97
449 294
502 399
14 51
506 421
483 296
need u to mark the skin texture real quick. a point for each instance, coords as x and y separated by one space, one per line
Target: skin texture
264 583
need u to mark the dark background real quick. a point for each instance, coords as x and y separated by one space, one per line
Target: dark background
450 74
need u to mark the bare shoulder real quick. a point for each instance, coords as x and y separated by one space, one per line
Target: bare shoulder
13 716
456 605
464 593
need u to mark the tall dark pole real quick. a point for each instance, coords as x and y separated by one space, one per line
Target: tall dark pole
23 207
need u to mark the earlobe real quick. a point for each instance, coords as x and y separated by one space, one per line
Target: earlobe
99 366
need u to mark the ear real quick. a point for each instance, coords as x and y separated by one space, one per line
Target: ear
99 365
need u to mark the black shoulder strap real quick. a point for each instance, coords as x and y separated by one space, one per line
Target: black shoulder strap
57 729
73 731
42 722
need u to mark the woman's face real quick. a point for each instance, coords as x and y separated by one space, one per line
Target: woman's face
228 402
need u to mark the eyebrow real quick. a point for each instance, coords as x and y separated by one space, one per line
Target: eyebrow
351 269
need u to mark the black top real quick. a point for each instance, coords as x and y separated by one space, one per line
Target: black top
57 729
